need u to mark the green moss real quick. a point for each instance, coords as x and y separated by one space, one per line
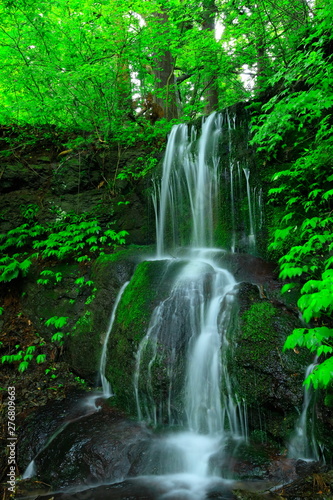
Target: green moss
258 335
221 237
258 339
131 324
328 401
132 308
257 321
265 376
132 252
83 347
84 324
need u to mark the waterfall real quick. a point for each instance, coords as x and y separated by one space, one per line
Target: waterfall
232 193
30 471
199 198
251 234
189 187
232 196
107 392
194 321
303 444
177 145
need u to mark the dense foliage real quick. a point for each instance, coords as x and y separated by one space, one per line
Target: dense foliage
70 237
119 72
94 66
298 121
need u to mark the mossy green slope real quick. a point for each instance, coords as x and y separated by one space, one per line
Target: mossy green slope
143 293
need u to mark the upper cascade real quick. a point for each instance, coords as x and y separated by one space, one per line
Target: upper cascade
200 194
189 186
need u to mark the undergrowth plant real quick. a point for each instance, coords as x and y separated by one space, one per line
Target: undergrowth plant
302 192
24 357
306 242
77 238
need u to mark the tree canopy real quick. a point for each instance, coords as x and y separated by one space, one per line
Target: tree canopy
93 65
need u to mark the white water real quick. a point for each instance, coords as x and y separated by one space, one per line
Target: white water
188 201
189 188
303 444
107 391
30 471
251 234
193 322
232 125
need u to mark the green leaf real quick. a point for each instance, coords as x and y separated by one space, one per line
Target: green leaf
41 358
328 194
57 337
288 287
291 272
296 338
57 321
23 366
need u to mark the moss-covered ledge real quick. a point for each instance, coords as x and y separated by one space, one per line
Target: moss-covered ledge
84 346
267 378
151 284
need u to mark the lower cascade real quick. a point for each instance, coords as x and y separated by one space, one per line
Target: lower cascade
199 308
303 444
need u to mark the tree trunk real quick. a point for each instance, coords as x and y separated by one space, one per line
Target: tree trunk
165 95
210 93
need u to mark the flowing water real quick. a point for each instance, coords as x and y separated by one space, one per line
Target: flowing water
189 341
303 444
201 411
106 386
249 199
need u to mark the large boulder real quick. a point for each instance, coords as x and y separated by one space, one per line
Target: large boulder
267 378
87 445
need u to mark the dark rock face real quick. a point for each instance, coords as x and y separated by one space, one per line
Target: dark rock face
77 182
39 426
87 323
96 449
84 346
304 468
150 285
85 446
268 379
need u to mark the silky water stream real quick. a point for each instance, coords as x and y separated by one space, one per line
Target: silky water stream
199 418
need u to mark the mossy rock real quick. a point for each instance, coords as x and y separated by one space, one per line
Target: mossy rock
267 378
150 284
84 346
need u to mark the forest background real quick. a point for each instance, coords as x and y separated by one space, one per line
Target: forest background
115 73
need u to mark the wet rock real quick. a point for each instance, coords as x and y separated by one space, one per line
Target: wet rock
282 470
40 425
126 490
249 268
84 346
268 378
100 447
150 285
305 468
